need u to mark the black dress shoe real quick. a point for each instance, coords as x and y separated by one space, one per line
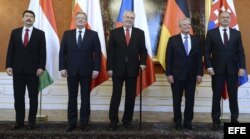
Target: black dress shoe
84 127
31 126
188 126
216 126
234 121
113 126
17 126
70 128
178 126
127 125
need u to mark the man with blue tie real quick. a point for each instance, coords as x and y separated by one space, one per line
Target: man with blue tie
79 61
225 61
26 60
184 70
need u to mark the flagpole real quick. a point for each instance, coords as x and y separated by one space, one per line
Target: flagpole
140 98
40 108
222 111
223 118
39 116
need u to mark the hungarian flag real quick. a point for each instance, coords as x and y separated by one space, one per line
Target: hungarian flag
176 10
216 7
45 20
93 11
148 76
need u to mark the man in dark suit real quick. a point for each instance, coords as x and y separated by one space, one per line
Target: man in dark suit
26 58
126 53
79 61
225 61
184 70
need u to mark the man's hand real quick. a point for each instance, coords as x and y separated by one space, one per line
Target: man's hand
39 72
198 79
95 74
9 71
210 71
241 72
110 73
143 67
171 79
64 73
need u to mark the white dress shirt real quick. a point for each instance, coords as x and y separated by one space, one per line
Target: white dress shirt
189 41
222 33
77 33
24 31
130 31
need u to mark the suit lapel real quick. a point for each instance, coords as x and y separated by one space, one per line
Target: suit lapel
123 37
192 45
20 39
33 33
85 37
32 36
230 36
73 34
133 36
180 45
219 37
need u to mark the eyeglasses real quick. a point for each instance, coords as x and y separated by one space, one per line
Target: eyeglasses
83 18
129 17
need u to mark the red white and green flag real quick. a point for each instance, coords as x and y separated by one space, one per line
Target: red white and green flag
45 20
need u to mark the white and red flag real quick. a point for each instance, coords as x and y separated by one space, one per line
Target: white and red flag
93 10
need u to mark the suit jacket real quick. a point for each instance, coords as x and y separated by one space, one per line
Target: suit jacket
126 59
178 63
26 59
224 59
83 60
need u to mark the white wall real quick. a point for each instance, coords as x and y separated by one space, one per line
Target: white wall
155 98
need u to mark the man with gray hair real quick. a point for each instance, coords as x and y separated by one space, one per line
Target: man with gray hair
126 52
184 70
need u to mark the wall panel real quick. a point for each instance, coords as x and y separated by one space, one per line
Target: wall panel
11 17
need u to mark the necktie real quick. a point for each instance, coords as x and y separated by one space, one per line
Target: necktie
127 36
26 37
225 37
79 39
186 44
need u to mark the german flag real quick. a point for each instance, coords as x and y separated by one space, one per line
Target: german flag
175 10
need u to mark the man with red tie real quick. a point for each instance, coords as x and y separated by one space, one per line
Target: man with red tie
126 54
26 58
225 61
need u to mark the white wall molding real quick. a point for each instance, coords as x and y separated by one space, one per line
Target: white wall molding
157 97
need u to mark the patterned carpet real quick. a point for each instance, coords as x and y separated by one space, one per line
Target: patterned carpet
97 130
